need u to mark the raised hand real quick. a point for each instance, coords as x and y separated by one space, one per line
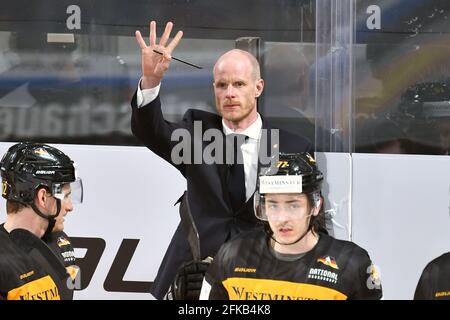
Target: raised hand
155 65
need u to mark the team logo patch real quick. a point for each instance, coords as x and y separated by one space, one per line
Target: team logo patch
41 151
62 242
328 261
323 275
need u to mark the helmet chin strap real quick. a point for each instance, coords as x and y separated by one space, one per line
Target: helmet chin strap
299 239
51 218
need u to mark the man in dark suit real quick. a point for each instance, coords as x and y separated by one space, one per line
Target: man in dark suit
220 195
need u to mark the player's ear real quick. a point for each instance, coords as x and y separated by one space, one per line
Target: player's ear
41 197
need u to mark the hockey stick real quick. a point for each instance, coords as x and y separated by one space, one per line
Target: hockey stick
189 227
189 277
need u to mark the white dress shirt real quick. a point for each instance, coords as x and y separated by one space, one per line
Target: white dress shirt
146 96
249 149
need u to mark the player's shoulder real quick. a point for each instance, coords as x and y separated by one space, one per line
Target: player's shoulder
58 236
245 240
344 247
5 243
442 260
10 253
252 234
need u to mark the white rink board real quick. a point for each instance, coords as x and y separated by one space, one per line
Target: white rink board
397 208
400 214
129 193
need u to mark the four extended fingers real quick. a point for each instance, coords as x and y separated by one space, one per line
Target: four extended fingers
164 38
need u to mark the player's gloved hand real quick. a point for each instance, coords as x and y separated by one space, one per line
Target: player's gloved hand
188 281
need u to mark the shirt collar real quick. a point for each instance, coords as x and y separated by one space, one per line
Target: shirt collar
252 132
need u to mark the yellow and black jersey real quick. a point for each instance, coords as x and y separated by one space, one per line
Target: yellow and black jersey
434 283
29 270
62 247
247 268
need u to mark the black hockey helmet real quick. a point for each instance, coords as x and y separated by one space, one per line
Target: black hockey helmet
293 173
27 166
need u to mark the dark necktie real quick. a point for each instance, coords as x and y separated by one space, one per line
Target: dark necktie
236 181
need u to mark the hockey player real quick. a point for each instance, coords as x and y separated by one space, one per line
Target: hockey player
290 257
39 183
434 283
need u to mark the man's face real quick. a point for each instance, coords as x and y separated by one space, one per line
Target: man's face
66 207
236 89
288 215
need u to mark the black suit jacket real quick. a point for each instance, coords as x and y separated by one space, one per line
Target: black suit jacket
206 186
